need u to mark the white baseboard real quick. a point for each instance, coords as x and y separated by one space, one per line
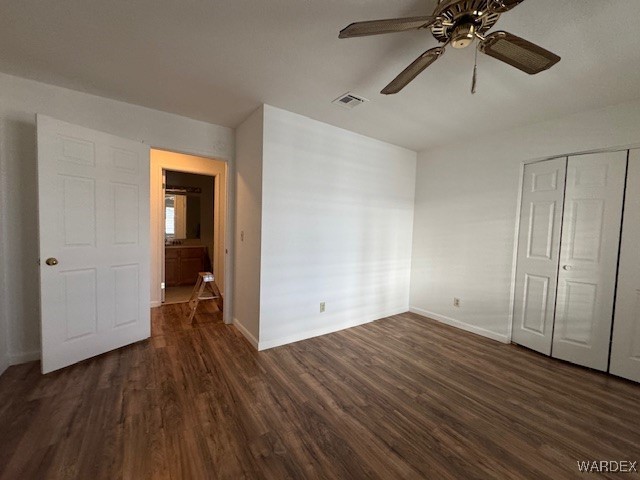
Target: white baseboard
266 344
24 357
247 334
461 325
4 363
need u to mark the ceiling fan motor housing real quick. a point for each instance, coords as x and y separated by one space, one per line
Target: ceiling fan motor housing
462 20
463 35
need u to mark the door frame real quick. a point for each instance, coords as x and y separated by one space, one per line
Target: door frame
512 296
200 165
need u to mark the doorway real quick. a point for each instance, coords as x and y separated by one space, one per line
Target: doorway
189 220
184 188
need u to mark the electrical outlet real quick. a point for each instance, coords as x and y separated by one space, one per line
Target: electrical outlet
321 307
456 302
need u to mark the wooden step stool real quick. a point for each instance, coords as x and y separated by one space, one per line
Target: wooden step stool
204 289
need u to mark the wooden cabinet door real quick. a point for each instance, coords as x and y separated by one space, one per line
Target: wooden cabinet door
182 265
191 263
171 272
171 267
189 269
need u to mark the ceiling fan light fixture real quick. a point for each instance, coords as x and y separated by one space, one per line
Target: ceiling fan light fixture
463 35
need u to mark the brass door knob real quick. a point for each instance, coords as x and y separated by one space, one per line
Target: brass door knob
52 261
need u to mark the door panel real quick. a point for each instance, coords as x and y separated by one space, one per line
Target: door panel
538 254
93 193
589 258
79 294
585 226
126 279
127 217
536 291
579 312
541 229
79 211
625 346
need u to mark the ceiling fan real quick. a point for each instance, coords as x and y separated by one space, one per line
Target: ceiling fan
458 23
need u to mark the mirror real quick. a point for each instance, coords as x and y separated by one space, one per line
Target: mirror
182 216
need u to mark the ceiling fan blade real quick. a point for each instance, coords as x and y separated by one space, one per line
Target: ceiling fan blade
413 70
376 27
519 53
501 6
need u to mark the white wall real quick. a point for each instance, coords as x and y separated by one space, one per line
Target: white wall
465 214
20 100
248 187
337 214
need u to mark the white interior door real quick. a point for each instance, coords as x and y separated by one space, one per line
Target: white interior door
589 258
538 254
625 346
93 191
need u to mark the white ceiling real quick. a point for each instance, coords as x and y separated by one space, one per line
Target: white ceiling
217 61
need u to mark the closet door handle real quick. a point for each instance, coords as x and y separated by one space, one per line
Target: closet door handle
567 267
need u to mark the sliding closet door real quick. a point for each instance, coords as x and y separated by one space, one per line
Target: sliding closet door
589 258
625 349
538 252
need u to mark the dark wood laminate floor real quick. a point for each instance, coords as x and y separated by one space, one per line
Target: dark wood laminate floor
403 397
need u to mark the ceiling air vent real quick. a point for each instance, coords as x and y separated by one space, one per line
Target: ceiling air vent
349 100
